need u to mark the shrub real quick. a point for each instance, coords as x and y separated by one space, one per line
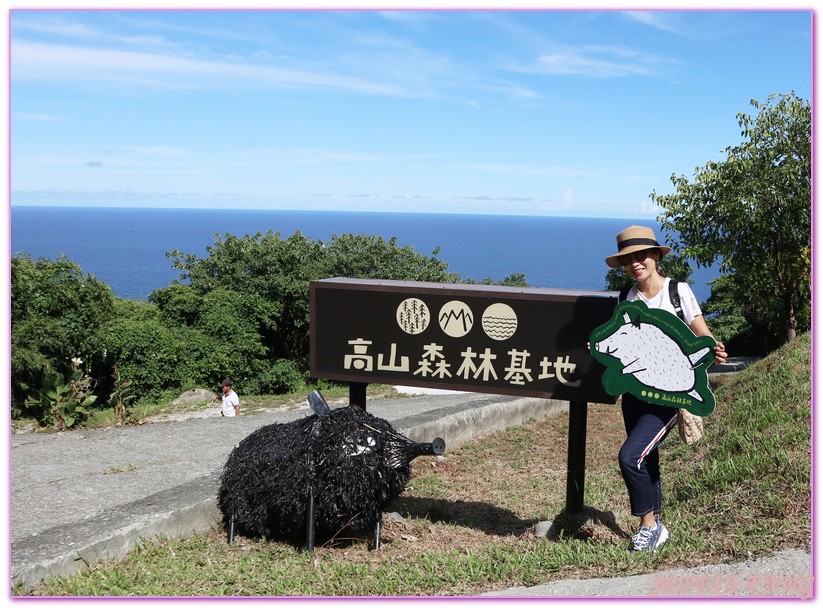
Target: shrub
284 376
57 315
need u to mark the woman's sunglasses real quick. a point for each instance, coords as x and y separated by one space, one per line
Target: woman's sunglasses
637 256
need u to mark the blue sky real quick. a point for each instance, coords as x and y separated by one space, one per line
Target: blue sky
538 112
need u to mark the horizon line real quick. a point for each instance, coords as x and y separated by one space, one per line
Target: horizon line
638 216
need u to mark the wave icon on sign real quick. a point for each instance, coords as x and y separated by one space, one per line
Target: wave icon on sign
499 321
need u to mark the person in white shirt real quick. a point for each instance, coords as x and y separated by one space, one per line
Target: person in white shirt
647 424
231 402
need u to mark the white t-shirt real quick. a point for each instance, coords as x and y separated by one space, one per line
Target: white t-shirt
688 302
230 400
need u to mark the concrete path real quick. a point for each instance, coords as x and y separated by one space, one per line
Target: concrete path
787 574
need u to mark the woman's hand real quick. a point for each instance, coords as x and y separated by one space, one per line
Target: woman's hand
720 354
699 327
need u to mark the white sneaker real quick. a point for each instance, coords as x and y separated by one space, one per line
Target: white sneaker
649 539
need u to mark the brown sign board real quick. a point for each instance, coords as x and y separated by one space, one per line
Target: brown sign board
477 338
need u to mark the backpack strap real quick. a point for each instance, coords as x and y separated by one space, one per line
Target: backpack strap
624 293
674 296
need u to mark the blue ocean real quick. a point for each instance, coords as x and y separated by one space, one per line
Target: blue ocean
126 247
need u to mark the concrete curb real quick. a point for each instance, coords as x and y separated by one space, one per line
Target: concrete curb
67 549
459 425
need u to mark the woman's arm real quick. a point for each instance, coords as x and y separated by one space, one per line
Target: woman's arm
700 328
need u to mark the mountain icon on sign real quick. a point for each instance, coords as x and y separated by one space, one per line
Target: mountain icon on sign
456 319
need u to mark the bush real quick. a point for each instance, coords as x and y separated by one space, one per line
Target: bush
284 376
252 294
57 315
61 403
155 358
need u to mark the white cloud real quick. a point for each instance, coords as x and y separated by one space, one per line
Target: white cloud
593 61
369 61
562 204
660 20
647 208
163 151
34 116
580 64
53 26
509 199
407 17
130 69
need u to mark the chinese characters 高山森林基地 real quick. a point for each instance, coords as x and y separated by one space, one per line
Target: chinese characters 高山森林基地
473 365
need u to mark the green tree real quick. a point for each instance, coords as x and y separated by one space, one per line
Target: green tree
57 315
252 293
231 323
273 271
729 323
752 211
515 279
372 257
155 357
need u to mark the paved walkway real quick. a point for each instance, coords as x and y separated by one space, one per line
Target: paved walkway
787 574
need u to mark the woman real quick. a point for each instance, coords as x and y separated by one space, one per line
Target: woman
647 424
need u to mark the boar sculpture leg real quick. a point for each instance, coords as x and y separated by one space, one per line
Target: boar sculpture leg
315 477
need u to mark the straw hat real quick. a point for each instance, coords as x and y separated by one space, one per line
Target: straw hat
635 238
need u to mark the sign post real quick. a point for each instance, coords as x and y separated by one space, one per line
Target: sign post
357 394
512 341
576 471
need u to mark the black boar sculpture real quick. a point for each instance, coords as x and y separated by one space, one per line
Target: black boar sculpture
317 477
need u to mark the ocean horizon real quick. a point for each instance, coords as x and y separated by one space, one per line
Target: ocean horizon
126 247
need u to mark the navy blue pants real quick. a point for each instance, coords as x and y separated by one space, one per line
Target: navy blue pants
647 424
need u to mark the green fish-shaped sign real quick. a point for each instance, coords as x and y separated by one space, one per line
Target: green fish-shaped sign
653 355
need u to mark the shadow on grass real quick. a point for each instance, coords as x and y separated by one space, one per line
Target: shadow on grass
481 516
494 520
486 518
584 525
